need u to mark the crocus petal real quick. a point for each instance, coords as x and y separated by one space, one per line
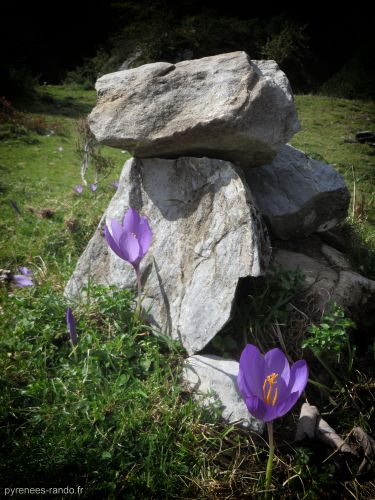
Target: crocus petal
114 246
266 412
252 366
129 245
272 412
282 389
21 281
117 230
71 325
256 407
25 270
131 221
260 410
299 373
242 385
144 235
284 406
276 362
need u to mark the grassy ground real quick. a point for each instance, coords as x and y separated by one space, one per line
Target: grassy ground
110 416
328 128
39 172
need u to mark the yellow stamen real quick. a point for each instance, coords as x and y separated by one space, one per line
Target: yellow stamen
275 397
270 380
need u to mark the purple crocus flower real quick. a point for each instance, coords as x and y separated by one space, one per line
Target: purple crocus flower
269 386
25 270
71 325
93 187
78 189
131 240
23 279
115 184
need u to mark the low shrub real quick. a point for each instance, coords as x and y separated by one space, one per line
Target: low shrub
16 123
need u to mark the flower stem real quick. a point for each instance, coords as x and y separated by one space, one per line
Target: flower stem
138 307
74 352
270 457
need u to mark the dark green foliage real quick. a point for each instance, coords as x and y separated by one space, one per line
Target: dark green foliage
286 40
355 80
17 81
92 68
155 32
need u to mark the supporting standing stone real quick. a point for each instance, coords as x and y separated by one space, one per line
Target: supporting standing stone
206 235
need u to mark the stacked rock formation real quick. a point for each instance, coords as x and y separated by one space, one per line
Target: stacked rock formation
211 163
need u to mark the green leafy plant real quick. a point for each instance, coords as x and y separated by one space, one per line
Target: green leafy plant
328 339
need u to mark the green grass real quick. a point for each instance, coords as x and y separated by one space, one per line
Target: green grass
38 175
111 415
328 128
85 416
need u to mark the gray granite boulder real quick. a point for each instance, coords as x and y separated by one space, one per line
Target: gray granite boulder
297 195
214 380
223 106
206 235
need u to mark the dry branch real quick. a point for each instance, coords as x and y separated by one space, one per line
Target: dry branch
311 425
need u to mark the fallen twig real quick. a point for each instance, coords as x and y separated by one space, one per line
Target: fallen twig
311 425
357 446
